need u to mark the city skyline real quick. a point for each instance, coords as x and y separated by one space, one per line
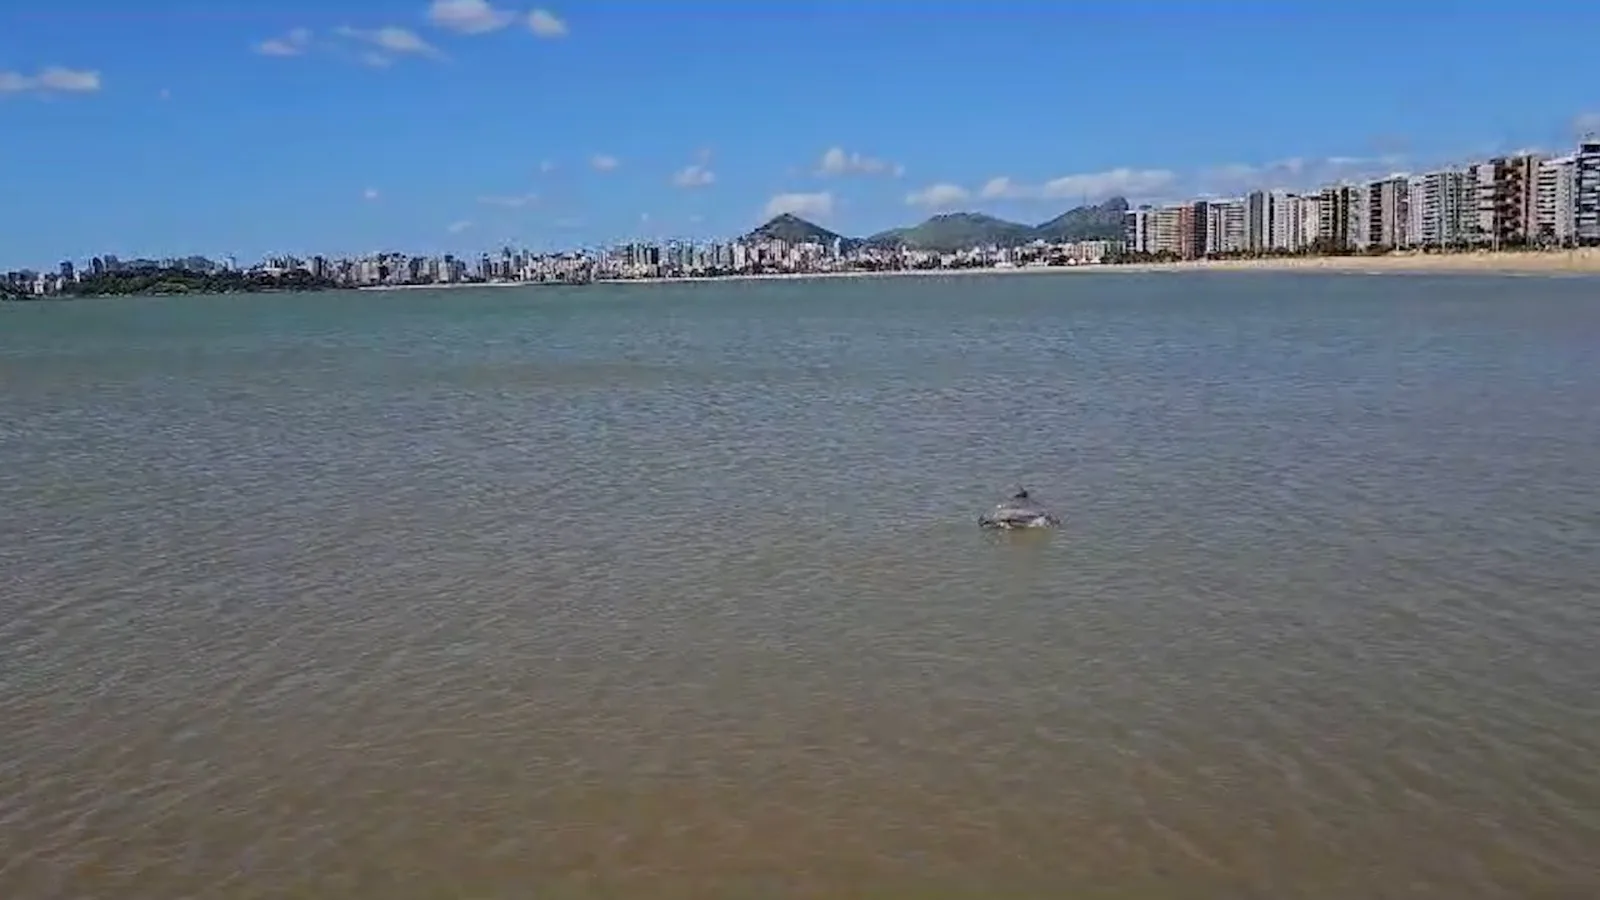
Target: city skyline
1528 198
459 124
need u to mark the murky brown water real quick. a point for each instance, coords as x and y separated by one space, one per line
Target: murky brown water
676 592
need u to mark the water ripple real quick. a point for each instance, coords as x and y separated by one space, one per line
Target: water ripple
674 592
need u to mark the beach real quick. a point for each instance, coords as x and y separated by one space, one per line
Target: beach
1584 261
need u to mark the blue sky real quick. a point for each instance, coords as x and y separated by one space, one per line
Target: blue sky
162 127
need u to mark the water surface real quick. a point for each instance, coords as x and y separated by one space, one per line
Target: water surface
676 591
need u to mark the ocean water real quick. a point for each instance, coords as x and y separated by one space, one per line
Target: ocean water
676 591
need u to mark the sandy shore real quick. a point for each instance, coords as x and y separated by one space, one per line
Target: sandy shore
1584 261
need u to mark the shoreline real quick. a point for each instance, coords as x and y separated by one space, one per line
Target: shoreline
1584 261
1579 262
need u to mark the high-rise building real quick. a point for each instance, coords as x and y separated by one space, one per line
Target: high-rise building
1505 188
1338 208
1308 210
1192 219
1137 225
1287 225
1360 219
1586 188
1388 212
1259 221
1226 230
1442 208
1168 231
1555 201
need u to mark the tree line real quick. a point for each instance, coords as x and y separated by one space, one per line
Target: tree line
187 281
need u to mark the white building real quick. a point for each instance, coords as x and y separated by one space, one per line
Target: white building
1225 227
1443 208
1309 211
1167 233
1555 201
1284 219
1137 228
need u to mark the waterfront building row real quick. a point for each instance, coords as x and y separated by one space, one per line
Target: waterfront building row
1524 200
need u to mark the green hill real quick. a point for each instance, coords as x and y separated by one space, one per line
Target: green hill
955 231
795 230
950 232
1086 223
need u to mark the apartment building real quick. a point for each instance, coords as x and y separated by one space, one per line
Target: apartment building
1388 212
1442 208
1192 230
1505 188
1226 227
1555 201
1167 232
1138 230
1586 190
1259 221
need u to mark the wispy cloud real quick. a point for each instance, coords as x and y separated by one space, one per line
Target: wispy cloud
835 161
51 80
458 227
604 163
547 166
295 43
939 196
1293 173
391 40
694 176
544 24
370 194
516 201
468 16
814 205
1091 187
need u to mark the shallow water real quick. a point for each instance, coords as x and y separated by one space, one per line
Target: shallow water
676 592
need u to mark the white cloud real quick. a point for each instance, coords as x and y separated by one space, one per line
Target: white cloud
837 162
296 42
544 23
603 163
547 166
694 176
458 227
392 39
938 196
370 194
468 16
510 202
51 80
817 205
1294 173
1090 187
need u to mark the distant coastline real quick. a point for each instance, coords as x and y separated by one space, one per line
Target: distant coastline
1581 261
1569 262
